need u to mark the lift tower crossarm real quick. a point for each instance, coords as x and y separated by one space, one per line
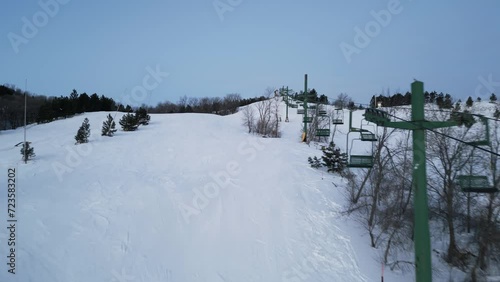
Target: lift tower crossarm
380 118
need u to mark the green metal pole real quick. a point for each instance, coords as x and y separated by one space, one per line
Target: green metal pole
305 107
422 237
287 101
350 120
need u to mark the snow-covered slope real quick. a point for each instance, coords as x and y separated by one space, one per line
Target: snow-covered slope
190 197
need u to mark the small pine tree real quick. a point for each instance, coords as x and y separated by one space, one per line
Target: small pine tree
83 134
447 102
496 114
469 102
334 159
142 116
28 152
316 162
478 99
108 127
493 98
129 122
465 118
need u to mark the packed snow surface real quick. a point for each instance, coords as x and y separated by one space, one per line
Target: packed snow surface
190 197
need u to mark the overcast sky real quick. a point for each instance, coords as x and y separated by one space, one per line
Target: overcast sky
212 48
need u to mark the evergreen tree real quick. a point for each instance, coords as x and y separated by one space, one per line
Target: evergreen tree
108 127
439 100
314 162
94 103
83 103
45 113
478 99
28 152
469 102
323 99
464 118
448 102
129 122
493 98
142 116
334 159
496 114
432 97
83 133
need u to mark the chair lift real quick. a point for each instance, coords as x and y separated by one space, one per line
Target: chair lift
300 111
475 184
367 135
307 119
472 183
323 132
376 116
358 161
321 110
339 116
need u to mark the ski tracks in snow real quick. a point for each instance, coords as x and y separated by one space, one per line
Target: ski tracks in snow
326 253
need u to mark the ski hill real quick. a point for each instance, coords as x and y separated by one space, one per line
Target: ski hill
189 197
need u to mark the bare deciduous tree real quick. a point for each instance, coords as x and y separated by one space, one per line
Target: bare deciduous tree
342 101
380 199
249 118
446 157
487 233
268 115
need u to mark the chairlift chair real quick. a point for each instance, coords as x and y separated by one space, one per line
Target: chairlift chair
358 161
323 132
376 116
339 117
476 184
321 110
367 135
471 182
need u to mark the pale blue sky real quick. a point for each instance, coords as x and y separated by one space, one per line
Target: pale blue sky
105 47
